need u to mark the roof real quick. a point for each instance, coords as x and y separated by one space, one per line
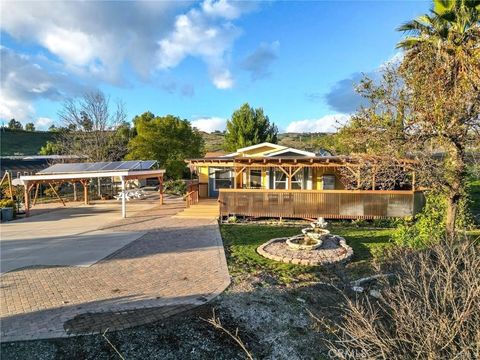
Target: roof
110 166
124 169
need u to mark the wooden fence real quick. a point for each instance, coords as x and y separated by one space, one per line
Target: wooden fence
334 204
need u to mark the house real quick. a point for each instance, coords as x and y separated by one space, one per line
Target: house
271 180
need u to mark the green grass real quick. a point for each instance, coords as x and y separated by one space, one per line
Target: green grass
241 242
474 192
21 142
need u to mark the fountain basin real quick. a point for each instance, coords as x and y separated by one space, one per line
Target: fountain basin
316 233
300 242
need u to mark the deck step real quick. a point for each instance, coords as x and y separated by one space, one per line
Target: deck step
202 210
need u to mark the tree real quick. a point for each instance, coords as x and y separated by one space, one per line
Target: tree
441 69
247 127
90 128
429 104
15 125
30 127
167 139
50 148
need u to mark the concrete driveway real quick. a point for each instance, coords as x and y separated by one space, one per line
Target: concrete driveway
68 236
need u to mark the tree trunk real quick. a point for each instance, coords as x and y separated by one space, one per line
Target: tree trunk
452 213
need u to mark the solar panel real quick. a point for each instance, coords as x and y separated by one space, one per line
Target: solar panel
99 166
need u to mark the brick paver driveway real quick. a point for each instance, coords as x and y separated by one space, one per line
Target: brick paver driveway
176 265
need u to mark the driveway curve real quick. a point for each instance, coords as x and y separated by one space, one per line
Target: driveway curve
176 265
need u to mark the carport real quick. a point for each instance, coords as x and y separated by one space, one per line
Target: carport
84 172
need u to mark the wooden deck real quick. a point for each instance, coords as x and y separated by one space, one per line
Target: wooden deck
333 204
203 209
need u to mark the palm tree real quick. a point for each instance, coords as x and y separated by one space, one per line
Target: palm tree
453 21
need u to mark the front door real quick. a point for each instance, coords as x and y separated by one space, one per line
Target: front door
219 178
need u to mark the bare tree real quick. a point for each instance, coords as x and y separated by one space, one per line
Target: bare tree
90 127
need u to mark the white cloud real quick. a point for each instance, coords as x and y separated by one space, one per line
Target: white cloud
43 123
327 123
25 79
94 40
205 33
210 124
221 8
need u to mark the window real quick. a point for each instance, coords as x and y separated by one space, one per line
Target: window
328 182
255 178
297 180
222 179
280 180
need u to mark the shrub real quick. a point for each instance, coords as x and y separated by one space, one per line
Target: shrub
177 187
430 309
425 228
232 219
7 203
428 227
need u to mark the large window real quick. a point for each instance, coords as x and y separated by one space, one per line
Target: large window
280 180
222 179
255 178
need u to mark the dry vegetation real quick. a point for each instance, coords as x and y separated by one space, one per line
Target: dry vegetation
431 309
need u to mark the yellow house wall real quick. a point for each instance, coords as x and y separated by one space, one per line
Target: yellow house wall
203 174
259 152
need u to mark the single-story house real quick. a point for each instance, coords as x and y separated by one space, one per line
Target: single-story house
271 180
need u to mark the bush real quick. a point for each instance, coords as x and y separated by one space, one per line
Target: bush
425 228
7 203
430 309
176 187
428 227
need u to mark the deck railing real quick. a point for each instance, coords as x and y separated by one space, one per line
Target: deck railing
335 204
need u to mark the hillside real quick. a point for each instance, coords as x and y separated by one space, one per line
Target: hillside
20 142
305 141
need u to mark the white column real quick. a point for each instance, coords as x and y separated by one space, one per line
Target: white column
124 204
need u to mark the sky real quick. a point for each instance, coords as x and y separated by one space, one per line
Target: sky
200 61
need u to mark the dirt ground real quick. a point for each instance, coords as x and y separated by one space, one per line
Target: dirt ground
272 320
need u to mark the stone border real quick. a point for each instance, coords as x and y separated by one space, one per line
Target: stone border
292 260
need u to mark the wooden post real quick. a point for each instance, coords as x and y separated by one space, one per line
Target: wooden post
160 188
413 180
374 173
27 198
55 192
99 188
74 191
36 195
85 191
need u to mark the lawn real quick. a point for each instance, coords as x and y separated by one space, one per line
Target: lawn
241 242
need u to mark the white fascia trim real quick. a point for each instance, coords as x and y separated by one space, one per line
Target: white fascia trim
92 174
300 152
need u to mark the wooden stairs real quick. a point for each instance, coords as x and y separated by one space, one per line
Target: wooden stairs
204 209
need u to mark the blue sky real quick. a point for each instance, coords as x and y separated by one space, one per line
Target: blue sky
197 60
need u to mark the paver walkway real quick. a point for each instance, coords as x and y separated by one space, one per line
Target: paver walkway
178 264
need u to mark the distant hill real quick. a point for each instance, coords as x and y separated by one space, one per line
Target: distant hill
305 141
20 142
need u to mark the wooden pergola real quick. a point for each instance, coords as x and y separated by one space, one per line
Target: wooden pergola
290 166
84 177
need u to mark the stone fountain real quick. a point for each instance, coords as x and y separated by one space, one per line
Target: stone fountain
314 246
311 238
